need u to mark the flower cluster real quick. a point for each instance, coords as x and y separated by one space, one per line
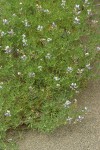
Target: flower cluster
48 56
69 119
40 68
31 74
56 78
67 104
76 20
77 9
8 114
24 57
69 69
2 33
88 66
5 22
40 28
73 86
63 3
24 40
8 49
98 48
80 71
26 24
41 9
11 32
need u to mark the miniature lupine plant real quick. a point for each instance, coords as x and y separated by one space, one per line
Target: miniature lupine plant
46 52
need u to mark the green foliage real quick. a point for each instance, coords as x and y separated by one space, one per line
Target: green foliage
46 52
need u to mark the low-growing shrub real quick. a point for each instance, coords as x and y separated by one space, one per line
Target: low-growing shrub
46 51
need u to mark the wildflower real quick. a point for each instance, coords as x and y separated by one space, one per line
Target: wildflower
67 103
40 68
63 3
98 48
94 21
86 54
8 113
80 118
43 41
19 73
24 40
24 57
68 32
73 86
48 56
78 12
31 74
75 101
58 85
77 9
11 32
3 33
76 20
85 108
49 39
40 28
69 69
30 88
26 23
56 78
89 12
39 7
77 6
23 35
9 140
46 10
54 25
80 71
88 66
5 21
14 15
7 49
86 2
77 92
69 119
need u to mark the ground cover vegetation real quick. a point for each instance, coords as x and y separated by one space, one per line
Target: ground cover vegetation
47 48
